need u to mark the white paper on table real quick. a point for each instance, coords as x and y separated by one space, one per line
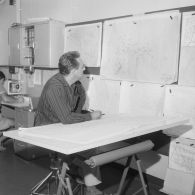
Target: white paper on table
109 126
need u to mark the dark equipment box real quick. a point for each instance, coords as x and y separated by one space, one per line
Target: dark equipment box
28 151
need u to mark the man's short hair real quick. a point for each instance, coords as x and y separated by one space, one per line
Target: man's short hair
2 75
68 61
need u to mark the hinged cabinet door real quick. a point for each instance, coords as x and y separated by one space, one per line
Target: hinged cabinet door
42 45
14 43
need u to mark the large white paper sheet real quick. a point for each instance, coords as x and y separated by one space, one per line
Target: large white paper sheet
86 39
182 155
178 183
102 94
109 127
180 100
187 57
143 48
141 99
41 136
188 29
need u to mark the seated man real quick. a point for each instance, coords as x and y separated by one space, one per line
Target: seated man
62 99
5 123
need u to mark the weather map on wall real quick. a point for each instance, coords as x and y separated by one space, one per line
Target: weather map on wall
86 39
143 48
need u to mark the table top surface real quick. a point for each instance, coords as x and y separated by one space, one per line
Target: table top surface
73 138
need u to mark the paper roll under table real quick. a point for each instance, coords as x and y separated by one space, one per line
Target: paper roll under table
114 155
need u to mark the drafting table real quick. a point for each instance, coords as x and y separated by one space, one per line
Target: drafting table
73 138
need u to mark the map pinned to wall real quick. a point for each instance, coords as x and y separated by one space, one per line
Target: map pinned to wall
143 48
86 39
187 57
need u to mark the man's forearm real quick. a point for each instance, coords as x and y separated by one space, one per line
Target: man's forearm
76 118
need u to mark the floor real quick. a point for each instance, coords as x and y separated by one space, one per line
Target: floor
18 176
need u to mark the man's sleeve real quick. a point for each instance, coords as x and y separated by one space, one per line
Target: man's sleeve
61 107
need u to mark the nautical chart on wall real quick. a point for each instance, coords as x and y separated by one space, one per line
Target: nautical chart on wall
143 48
86 39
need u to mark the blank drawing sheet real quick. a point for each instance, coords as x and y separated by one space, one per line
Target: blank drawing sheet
115 127
187 65
87 40
143 48
180 100
102 94
141 99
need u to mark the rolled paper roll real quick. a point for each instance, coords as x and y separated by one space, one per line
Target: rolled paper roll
114 155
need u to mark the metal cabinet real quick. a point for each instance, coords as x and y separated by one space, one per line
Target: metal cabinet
43 45
37 44
21 116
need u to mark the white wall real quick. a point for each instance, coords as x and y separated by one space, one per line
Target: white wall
98 9
7 17
85 10
75 11
57 9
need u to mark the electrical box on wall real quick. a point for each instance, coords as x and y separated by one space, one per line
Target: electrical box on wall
39 44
